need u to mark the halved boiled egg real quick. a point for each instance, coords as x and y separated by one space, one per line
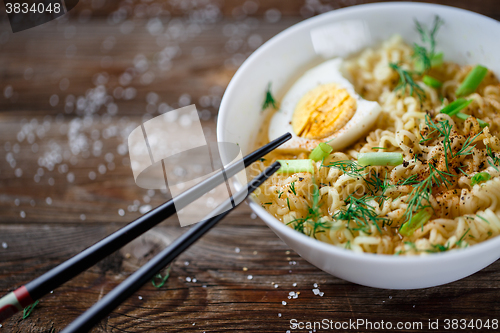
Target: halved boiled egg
322 106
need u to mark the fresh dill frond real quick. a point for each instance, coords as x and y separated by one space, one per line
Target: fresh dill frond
424 55
467 148
459 242
423 58
348 167
406 82
313 218
29 309
279 195
359 211
494 159
269 100
288 204
419 197
351 168
482 218
292 188
429 36
443 128
412 180
162 279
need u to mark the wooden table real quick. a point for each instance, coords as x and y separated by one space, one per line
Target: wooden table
239 276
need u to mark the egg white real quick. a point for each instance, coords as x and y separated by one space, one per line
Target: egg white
327 72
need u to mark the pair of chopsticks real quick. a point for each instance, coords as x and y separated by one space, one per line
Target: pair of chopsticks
34 290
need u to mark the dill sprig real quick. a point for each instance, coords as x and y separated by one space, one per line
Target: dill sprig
412 180
359 211
406 82
374 183
348 167
429 36
292 188
29 309
421 53
162 279
444 129
269 100
467 148
419 197
313 217
494 159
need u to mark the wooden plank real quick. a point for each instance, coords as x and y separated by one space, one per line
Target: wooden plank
222 298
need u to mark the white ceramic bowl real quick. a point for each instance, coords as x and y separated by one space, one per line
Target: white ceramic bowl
466 38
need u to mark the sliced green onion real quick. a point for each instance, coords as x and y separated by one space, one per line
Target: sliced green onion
417 221
432 82
437 60
472 81
381 158
454 107
464 116
320 152
294 166
478 178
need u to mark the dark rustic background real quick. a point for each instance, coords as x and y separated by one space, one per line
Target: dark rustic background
70 92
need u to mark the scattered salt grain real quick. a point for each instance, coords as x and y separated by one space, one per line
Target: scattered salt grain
19 172
295 284
17 202
48 200
279 315
121 212
140 297
250 277
5 245
186 263
283 302
315 285
237 250
276 285
194 280
144 209
188 279
23 214
83 217
390 297
253 216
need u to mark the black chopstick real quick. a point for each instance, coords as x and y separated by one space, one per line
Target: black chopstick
144 274
34 290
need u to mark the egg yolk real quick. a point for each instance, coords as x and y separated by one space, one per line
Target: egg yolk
323 111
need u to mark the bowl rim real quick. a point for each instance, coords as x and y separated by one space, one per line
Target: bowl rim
271 221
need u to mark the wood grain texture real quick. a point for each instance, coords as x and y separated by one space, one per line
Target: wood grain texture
233 279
